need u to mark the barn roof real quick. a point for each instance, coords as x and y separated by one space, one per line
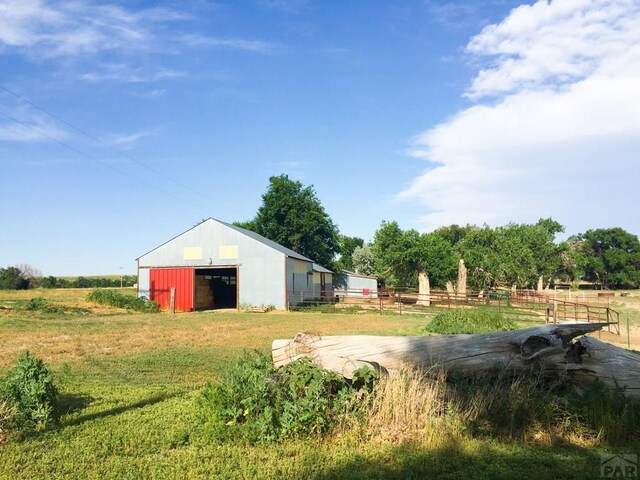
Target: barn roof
248 233
265 241
320 269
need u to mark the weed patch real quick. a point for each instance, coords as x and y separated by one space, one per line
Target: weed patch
116 299
43 305
471 320
257 403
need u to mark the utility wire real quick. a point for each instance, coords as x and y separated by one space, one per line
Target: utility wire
95 159
104 144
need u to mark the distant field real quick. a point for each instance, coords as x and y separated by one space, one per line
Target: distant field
129 382
110 277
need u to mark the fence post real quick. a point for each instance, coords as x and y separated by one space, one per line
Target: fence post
172 301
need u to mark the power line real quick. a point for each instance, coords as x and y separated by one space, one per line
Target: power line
95 159
103 143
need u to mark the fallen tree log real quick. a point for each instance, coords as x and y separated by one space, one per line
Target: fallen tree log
550 347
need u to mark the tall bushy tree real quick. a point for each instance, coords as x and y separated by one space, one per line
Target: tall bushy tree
292 216
363 260
11 278
348 246
612 257
400 255
514 254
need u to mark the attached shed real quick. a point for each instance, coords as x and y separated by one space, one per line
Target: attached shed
322 282
219 265
351 284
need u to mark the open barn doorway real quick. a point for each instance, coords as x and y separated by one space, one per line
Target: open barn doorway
216 288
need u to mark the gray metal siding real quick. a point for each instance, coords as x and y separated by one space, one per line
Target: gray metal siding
261 280
299 285
355 286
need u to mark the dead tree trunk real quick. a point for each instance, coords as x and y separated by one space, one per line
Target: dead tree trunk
550 347
462 279
424 289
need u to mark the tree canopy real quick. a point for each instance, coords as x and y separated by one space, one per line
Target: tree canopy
348 246
514 254
400 255
363 261
293 216
611 257
11 278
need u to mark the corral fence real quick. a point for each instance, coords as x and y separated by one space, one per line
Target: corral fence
558 309
532 306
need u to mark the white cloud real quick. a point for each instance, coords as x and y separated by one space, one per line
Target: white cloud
124 141
53 29
559 128
124 73
559 43
197 40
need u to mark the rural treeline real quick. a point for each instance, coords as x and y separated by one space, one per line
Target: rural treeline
21 278
510 255
513 254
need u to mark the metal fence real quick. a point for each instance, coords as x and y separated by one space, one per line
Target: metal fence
540 307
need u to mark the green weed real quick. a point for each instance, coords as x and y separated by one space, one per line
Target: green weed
257 403
469 320
28 389
117 299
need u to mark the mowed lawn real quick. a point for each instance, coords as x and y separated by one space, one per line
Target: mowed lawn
129 382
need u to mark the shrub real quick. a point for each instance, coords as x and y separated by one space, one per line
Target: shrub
119 300
472 320
257 403
28 390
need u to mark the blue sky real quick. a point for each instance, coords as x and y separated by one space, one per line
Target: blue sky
123 124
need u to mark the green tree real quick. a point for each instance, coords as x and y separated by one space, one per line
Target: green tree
513 254
11 278
50 282
363 260
438 258
347 246
454 234
391 249
612 257
292 216
400 255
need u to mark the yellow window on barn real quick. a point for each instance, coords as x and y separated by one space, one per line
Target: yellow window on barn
316 277
228 252
300 267
192 253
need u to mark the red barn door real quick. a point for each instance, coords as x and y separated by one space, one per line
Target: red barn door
162 280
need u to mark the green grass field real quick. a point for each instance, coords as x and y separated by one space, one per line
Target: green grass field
129 380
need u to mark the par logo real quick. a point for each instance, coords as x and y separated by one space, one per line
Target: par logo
619 466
